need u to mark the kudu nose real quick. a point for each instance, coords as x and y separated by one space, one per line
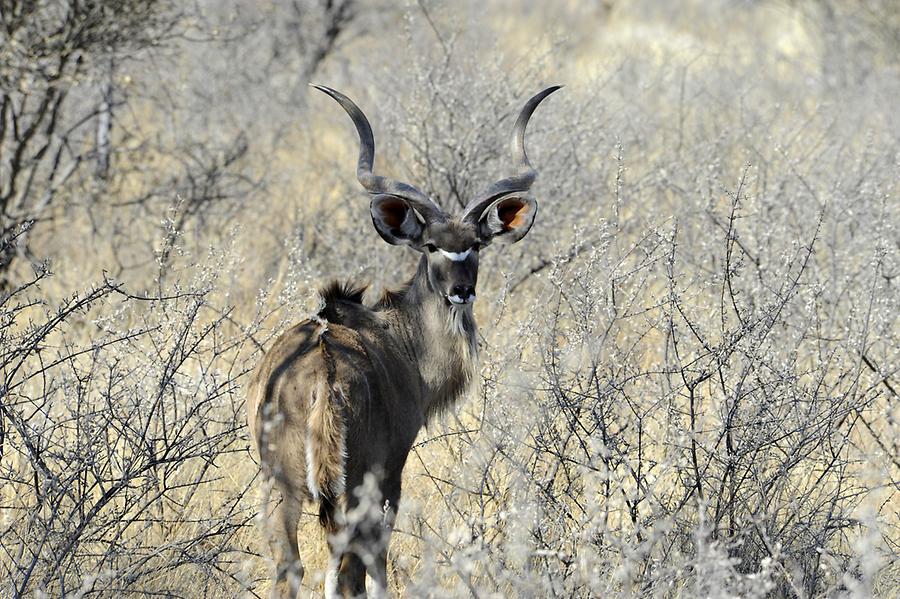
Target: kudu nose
464 292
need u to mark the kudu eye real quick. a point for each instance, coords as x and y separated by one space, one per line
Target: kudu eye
431 247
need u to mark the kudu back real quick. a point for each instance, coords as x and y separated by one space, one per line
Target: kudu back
343 395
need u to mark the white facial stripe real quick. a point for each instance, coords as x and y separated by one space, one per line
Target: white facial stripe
456 256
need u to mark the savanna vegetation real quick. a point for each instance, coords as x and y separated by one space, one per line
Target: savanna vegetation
688 369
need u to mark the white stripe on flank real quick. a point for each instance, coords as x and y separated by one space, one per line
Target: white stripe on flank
456 256
310 466
339 486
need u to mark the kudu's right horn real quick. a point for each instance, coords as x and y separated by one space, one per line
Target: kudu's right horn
376 184
525 174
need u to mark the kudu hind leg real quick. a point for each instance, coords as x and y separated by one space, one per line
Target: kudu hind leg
346 576
378 570
354 543
281 516
359 545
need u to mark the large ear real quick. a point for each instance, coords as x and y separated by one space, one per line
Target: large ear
396 221
508 219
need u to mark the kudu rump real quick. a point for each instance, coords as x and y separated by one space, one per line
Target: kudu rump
346 393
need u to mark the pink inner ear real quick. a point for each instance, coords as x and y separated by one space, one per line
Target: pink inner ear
393 212
512 213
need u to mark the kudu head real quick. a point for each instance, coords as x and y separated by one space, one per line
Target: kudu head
403 215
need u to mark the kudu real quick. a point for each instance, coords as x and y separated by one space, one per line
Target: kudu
345 393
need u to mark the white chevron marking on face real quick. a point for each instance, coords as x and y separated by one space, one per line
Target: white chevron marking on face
456 256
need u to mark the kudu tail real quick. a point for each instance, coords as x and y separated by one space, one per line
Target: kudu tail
325 448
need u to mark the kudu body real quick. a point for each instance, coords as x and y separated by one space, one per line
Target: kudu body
346 393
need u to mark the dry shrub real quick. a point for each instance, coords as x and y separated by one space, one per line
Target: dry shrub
688 367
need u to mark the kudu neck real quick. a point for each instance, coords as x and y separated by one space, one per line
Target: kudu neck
420 292
441 340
